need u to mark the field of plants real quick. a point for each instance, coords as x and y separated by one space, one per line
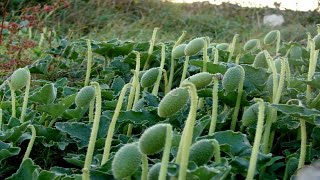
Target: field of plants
188 108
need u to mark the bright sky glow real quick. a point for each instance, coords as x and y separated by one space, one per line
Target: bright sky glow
300 5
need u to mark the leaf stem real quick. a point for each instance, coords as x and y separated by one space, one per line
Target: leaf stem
303 143
25 98
166 154
214 113
144 174
150 51
13 101
232 46
185 69
31 142
155 89
217 156
89 63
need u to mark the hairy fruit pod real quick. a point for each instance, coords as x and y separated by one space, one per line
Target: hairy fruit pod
153 139
200 80
173 102
194 46
201 152
250 45
150 77
178 51
271 37
260 61
19 78
232 78
84 96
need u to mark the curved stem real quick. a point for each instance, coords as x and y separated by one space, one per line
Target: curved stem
13 101
232 46
91 109
106 151
303 143
169 86
185 69
238 102
214 112
25 98
188 129
144 174
89 62
216 56
165 78
0 119
308 38
257 139
166 154
94 132
278 41
318 28
217 156
150 51
31 142
238 58
312 68
163 59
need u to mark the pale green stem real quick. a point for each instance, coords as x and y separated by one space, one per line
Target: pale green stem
288 74
94 132
155 89
273 69
165 78
169 86
214 115
41 40
278 41
237 107
31 142
13 100
232 46
217 156
26 97
303 143
188 129
185 69
238 58
91 108
106 151
216 56
312 68
281 81
205 56
318 28
150 51
257 139
166 154
89 63
0 119
309 38
30 32
315 101
144 174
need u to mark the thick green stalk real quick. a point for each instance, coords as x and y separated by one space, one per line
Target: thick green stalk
188 129
89 62
232 46
150 51
155 89
217 156
238 58
214 115
278 41
91 110
303 143
312 68
144 174
257 139
13 101
107 147
166 154
185 69
165 78
237 107
309 38
0 119
94 132
216 56
169 86
31 142
25 98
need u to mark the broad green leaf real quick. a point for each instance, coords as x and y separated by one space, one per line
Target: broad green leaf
315 82
6 150
76 113
206 172
117 84
45 175
200 125
255 78
291 166
211 68
41 66
14 133
75 159
46 95
27 170
237 141
51 137
55 110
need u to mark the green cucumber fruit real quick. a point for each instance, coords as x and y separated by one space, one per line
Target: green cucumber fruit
149 77
194 46
84 96
173 102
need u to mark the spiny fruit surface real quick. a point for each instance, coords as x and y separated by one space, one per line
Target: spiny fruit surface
153 139
19 78
84 96
201 152
194 46
178 51
223 46
173 102
260 61
317 41
154 172
200 80
296 52
232 78
271 37
126 161
150 77
250 45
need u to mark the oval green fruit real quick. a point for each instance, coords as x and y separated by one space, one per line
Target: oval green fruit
223 46
150 77
232 78
178 51
250 115
173 102
271 37
250 45
126 161
201 152
296 52
154 172
260 61
316 40
153 139
141 74
194 46
84 96
277 64
200 80
19 78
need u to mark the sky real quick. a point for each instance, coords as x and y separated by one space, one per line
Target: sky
300 5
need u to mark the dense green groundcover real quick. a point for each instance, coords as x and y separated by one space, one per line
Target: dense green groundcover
257 117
